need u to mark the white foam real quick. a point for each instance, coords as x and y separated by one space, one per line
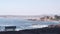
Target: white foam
38 26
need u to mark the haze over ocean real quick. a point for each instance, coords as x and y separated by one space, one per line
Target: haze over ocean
29 7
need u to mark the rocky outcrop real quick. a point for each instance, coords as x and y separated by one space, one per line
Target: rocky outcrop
46 30
54 26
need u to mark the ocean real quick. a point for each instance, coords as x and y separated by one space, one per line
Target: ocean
23 23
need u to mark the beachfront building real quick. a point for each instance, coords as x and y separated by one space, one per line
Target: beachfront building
47 18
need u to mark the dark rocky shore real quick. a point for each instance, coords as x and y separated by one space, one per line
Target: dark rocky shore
55 30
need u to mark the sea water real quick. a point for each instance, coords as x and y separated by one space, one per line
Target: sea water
23 23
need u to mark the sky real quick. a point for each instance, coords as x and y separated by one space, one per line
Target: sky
29 7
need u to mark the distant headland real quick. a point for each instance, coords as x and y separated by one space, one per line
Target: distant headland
35 17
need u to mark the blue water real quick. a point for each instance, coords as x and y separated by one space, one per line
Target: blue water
18 22
23 23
